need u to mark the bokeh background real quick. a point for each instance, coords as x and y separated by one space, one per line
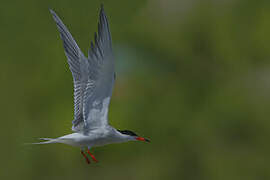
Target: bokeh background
192 75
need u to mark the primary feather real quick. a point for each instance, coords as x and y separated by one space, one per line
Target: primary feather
93 77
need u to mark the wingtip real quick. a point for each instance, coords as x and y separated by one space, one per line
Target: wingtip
51 11
54 15
102 7
102 12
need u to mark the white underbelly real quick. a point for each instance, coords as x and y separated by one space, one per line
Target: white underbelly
93 139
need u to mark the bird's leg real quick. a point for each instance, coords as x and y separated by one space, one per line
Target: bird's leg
93 157
86 158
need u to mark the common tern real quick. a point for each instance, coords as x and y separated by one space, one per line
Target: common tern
93 79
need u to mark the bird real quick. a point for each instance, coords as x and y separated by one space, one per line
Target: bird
93 80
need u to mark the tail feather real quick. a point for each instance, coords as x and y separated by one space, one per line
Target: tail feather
46 141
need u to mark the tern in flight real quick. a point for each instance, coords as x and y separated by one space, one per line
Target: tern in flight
93 79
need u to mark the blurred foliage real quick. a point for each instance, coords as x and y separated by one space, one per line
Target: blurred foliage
192 75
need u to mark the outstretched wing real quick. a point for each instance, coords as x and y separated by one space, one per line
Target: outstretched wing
93 76
77 64
100 77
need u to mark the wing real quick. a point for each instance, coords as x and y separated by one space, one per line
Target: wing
77 64
93 76
100 77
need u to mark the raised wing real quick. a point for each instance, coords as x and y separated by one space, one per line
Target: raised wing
78 67
93 76
100 77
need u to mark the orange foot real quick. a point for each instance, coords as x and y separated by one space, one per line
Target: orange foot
86 158
93 157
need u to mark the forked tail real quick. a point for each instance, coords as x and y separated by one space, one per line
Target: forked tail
46 141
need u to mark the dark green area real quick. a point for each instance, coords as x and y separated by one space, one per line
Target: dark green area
192 76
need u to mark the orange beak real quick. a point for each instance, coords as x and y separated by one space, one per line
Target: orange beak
142 139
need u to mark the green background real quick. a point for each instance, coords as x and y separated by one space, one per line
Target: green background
192 75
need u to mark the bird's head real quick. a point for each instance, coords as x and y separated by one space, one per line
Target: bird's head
133 136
